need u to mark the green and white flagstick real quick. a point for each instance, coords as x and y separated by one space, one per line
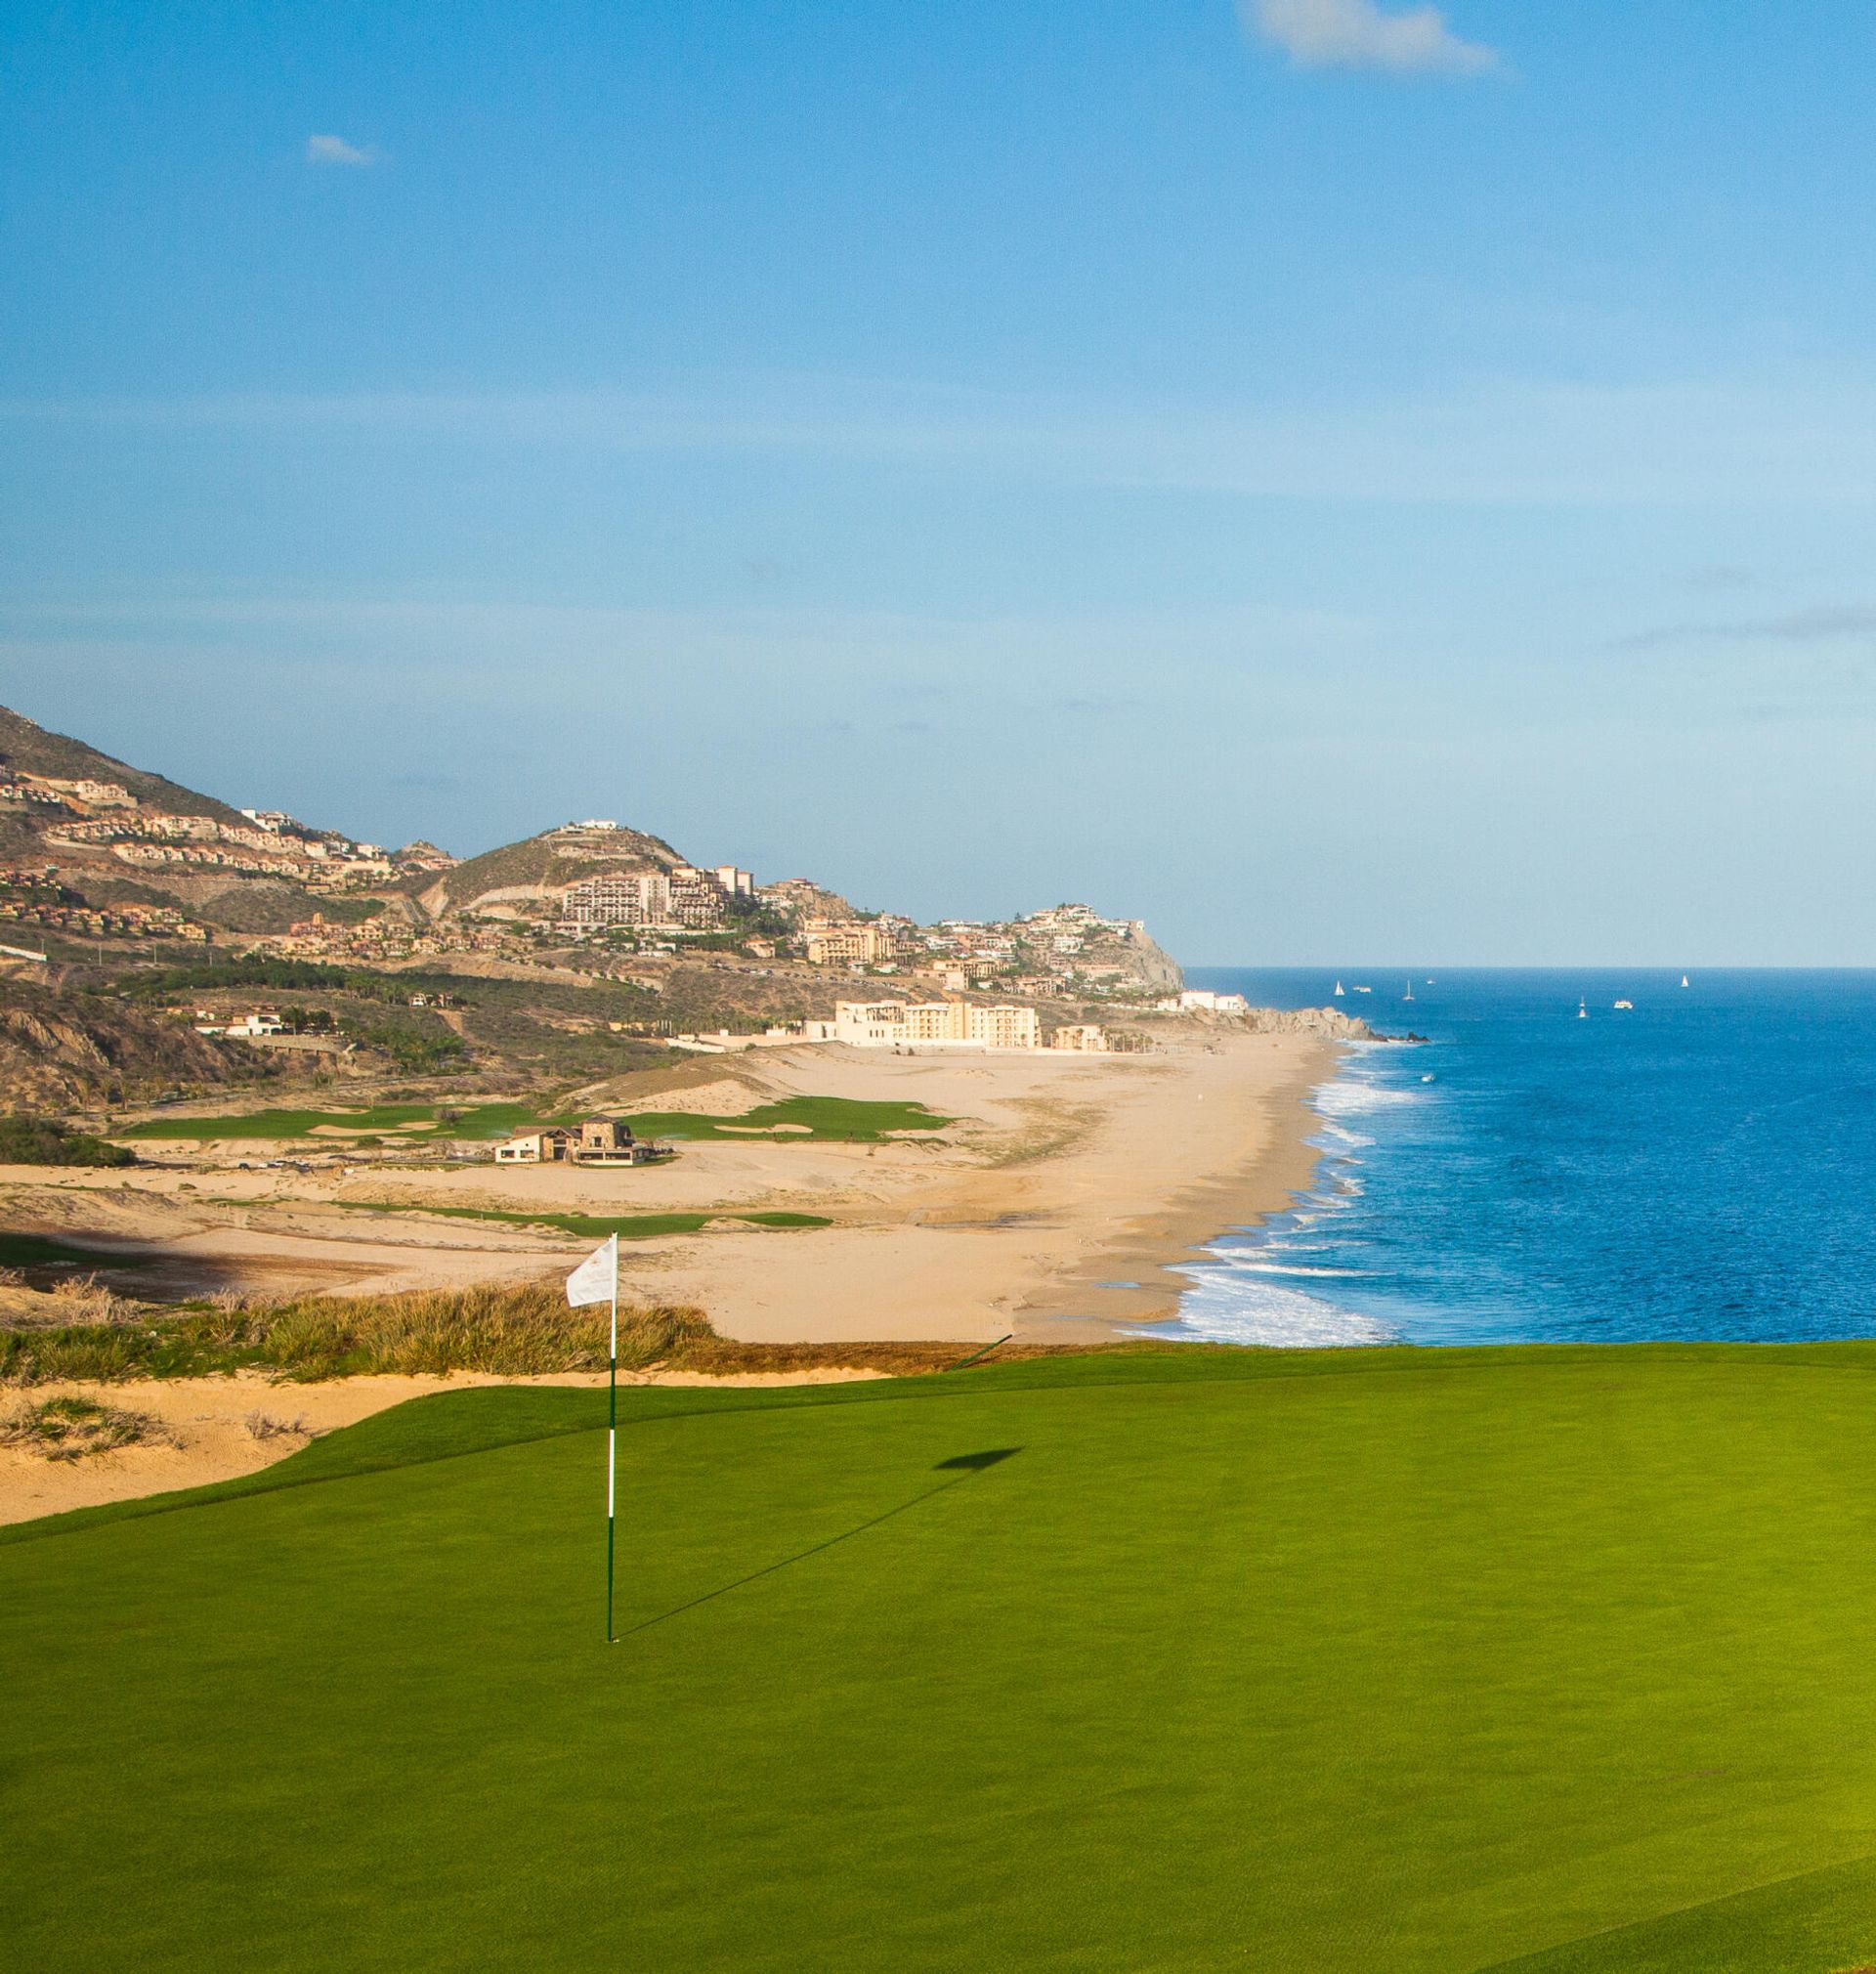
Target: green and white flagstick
596 1280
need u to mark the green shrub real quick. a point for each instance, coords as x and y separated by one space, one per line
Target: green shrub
42 1140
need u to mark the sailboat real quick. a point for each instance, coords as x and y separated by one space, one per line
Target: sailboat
1684 979
1583 1009
1338 993
1409 995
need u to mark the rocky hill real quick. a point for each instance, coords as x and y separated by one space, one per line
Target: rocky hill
105 867
534 871
75 1051
26 750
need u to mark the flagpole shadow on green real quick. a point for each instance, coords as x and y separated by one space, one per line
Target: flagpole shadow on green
968 1463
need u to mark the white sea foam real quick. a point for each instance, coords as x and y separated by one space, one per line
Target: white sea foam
1282 1267
1251 1294
1278 1318
1360 1096
1339 1137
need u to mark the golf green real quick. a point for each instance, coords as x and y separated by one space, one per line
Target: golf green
1554 1659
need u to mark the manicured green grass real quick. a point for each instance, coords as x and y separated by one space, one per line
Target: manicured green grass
1394 1662
805 1120
476 1121
631 1227
808 1120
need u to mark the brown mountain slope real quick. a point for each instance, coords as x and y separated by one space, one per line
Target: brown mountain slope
25 748
63 1051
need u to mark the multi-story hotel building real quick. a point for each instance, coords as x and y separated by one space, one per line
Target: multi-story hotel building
934 1024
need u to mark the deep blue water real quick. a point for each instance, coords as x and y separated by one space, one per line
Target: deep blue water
1702 1167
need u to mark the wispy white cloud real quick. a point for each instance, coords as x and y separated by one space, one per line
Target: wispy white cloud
1360 34
1765 437
330 149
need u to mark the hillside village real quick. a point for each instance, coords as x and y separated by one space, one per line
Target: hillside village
111 859
290 951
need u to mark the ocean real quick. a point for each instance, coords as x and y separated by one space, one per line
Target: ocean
1703 1164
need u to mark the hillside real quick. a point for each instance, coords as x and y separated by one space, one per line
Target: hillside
75 1052
106 866
528 871
30 749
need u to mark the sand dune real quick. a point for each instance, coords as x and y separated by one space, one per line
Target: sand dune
1055 1203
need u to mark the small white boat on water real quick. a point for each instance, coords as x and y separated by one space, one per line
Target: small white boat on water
1409 995
1684 979
1583 1009
1339 990
1364 990
1627 1006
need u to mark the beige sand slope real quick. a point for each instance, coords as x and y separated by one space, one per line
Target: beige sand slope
214 1428
1054 1206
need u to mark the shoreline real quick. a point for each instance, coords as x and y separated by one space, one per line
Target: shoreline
1059 1204
1162 1241
1060 1212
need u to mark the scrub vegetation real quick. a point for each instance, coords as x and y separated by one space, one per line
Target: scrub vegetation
43 1140
70 1428
511 1331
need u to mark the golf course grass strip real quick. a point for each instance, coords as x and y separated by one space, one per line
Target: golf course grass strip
472 1121
805 1120
631 1227
1415 1662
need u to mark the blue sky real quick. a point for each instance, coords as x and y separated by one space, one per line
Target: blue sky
1345 481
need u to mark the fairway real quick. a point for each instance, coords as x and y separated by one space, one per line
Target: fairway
1554 1659
630 1227
805 1120
407 1119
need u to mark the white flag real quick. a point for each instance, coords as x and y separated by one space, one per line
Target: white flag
596 1277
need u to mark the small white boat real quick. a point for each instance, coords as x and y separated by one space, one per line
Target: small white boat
1409 995
1684 979
1338 992
1364 990
1627 1006
1583 1010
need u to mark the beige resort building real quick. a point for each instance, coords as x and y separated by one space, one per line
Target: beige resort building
600 1140
934 1024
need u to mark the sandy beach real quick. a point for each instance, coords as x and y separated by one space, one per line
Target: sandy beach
1055 1208
1059 1201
